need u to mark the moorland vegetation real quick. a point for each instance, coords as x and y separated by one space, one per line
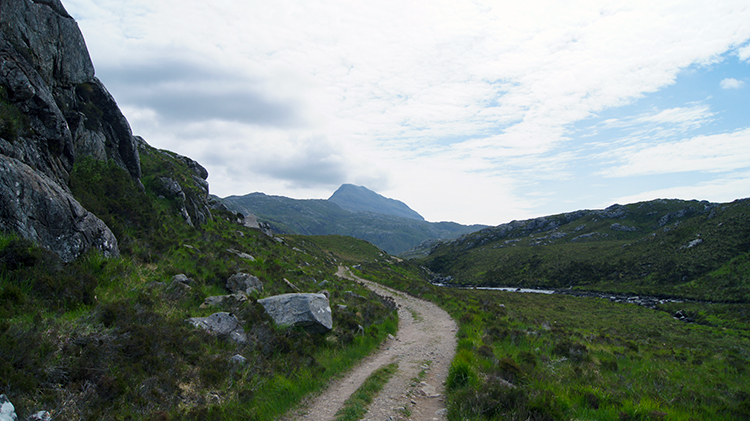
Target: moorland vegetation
557 357
91 337
105 338
663 248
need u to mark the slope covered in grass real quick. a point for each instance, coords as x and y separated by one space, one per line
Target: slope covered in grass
101 339
392 233
663 247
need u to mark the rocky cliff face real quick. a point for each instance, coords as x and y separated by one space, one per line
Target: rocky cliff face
47 75
53 111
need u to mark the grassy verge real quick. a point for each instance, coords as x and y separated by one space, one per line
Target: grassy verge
356 406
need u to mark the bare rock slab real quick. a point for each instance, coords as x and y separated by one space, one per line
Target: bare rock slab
38 209
311 311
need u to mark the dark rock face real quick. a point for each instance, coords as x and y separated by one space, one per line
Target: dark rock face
53 111
311 311
37 208
47 74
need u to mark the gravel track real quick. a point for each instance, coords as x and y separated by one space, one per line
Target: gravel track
425 343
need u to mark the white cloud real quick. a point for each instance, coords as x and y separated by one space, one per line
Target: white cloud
744 53
715 153
731 83
720 189
400 94
682 116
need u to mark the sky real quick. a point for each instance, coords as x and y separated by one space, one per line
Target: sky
468 111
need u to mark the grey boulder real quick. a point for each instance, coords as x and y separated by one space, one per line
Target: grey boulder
311 311
224 300
244 283
40 416
7 410
223 324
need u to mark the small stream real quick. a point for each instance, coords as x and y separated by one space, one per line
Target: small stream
642 300
514 289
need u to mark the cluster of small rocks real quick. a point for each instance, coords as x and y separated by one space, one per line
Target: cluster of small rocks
311 311
8 412
641 300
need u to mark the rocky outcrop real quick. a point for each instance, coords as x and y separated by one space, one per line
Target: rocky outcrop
37 208
623 228
233 300
53 111
183 181
311 311
7 410
47 75
40 416
179 287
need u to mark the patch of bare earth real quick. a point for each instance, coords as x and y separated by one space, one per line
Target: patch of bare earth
423 348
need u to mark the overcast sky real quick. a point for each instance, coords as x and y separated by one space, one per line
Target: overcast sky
468 111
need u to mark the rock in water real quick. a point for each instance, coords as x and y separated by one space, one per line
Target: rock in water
311 311
37 208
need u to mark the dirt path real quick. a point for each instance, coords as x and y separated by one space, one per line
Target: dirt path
425 342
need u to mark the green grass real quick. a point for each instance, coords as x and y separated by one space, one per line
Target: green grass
106 339
356 406
347 248
558 357
13 123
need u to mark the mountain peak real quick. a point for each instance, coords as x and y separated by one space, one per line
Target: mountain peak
361 199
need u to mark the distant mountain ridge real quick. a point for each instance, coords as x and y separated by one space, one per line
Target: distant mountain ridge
352 210
361 199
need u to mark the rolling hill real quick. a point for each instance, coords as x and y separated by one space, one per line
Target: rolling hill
661 247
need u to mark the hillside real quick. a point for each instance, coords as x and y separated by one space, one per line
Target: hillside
392 233
662 247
